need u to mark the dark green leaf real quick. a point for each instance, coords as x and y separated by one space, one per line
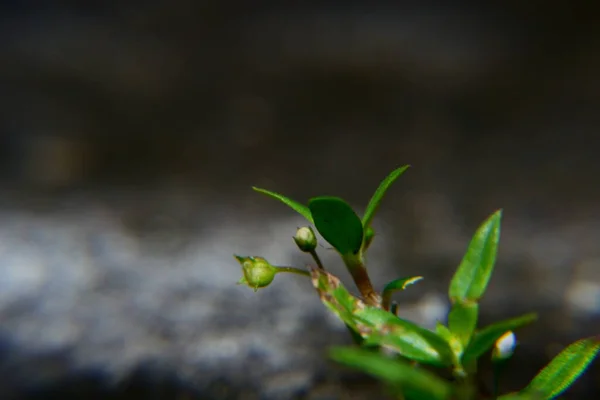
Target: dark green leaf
401 283
462 320
421 384
565 368
379 193
473 274
484 339
337 223
299 208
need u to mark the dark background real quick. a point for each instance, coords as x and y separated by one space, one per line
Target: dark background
130 135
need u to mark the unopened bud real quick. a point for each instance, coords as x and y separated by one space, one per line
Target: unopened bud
504 347
257 271
305 239
369 235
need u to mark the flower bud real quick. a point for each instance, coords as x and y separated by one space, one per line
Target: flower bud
504 347
369 235
305 239
257 271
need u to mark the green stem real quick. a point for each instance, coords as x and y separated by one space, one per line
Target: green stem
293 270
315 257
498 367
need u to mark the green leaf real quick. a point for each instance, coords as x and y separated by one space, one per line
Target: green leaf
443 331
455 345
405 337
415 383
462 320
299 208
379 193
337 223
380 327
565 368
401 283
335 297
484 339
520 396
473 274
396 285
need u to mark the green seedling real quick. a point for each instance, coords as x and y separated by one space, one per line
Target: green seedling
399 352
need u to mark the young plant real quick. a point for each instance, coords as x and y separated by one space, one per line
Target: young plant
399 352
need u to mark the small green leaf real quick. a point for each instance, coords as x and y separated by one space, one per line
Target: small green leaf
401 283
337 223
379 193
414 383
462 320
299 208
484 339
455 344
369 236
405 337
565 368
396 285
473 274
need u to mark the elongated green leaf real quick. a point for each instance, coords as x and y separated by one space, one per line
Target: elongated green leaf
396 285
455 345
520 396
484 339
565 368
473 274
379 327
299 208
335 297
443 331
405 337
421 384
337 222
379 193
462 320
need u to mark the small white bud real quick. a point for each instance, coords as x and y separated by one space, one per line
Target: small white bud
505 346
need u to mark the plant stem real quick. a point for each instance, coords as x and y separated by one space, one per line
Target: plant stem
358 270
293 270
315 257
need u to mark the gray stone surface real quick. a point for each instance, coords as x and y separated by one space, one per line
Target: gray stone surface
131 137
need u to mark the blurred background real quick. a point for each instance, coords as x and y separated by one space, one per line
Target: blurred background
131 134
